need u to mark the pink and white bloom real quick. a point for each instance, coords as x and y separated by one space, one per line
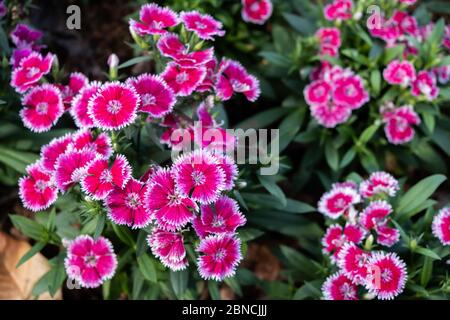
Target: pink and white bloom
24 36
70 166
17 56
256 11
169 248
338 10
425 84
353 262
79 108
204 26
229 168
183 81
51 151
350 92
329 114
157 98
233 77
90 261
375 214
442 74
400 72
198 175
37 190
30 71
114 106
218 256
338 201
86 140
223 216
379 183
387 275
441 226
42 108
339 287
329 37
386 235
154 20
77 81
100 177
210 78
168 207
317 92
335 237
399 122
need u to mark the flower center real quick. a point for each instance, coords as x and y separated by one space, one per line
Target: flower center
198 177
350 90
157 24
90 260
106 176
174 199
386 275
32 72
254 7
133 200
182 77
42 108
361 260
200 25
114 106
148 99
347 291
239 86
220 254
218 222
40 185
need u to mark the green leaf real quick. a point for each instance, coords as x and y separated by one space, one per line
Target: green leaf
419 193
332 155
298 261
375 82
427 271
427 253
141 242
440 7
347 158
179 281
29 227
134 61
263 119
234 285
123 234
300 24
213 290
38 246
57 275
270 185
138 283
147 266
437 33
393 53
276 58
368 133
248 234
101 221
309 290
17 160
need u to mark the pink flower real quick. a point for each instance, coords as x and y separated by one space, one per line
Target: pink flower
338 201
446 38
70 166
100 178
154 20
85 140
406 24
330 115
18 55
169 248
353 262
90 262
24 36
400 72
425 84
223 216
335 237
126 205
387 236
170 46
114 106
379 183
399 124
317 92
329 37
204 26
232 77
375 214
30 71
199 176
169 208
346 184
338 10
387 275
256 11
77 81
349 91
183 81
42 108
80 102
219 256
339 287
157 98
210 78
441 226
51 151
229 168
442 74
37 190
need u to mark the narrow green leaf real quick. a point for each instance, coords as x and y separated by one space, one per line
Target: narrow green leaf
332 156
147 267
134 61
427 252
38 246
179 281
270 185
213 290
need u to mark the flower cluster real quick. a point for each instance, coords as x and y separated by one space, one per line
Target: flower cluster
366 214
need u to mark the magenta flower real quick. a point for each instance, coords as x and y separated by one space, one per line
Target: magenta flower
157 98
339 287
100 178
446 38
30 71
183 81
353 262
199 176
204 26
219 256
338 201
210 78
256 11
375 214
442 74
399 122
229 167
169 208
79 108
339 10
329 40
90 262
330 115
335 237
232 77
51 151
317 92
114 106
223 216
441 226
400 72
154 20
77 81
19 54
425 84
169 248
37 190
406 24
379 183
349 91
85 140
387 236
70 167
42 108
387 275
24 36
126 205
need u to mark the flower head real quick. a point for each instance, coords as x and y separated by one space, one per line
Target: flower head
425 84
386 235
204 26
335 237
399 122
183 81
379 183
79 108
330 115
24 36
51 151
317 93
353 262
70 166
339 10
169 248
256 11
154 20
441 226
400 72
375 214
77 81
339 287
349 91
86 140
336 202
31 69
